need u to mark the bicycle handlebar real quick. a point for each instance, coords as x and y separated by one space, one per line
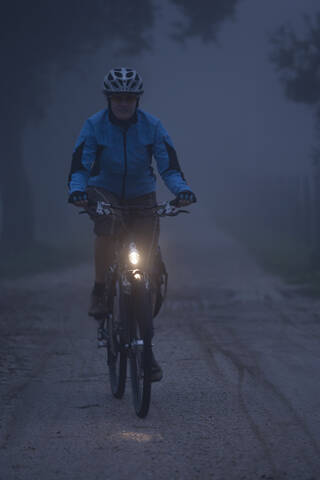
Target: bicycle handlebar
165 209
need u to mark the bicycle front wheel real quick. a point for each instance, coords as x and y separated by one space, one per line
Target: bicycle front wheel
116 354
141 348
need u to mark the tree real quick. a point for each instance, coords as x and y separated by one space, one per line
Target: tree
36 35
204 18
297 61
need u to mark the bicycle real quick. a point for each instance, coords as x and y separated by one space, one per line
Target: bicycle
134 297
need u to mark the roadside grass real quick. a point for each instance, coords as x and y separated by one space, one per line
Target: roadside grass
40 258
279 253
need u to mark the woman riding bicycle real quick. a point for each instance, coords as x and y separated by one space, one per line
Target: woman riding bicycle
112 161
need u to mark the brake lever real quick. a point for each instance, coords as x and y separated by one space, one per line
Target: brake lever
99 208
174 214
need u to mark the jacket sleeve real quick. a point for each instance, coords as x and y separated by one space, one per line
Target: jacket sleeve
167 162
83 158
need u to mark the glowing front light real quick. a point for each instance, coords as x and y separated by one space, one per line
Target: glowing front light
134 256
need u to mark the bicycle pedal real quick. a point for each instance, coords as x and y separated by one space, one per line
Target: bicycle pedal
102 343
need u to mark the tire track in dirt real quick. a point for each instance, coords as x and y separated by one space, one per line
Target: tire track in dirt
209 348
206 337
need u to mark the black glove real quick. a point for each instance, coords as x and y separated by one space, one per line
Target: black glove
185 196
77 196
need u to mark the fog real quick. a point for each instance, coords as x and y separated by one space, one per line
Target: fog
235 132
238 335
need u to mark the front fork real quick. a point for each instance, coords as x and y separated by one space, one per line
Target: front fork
131 282
135 285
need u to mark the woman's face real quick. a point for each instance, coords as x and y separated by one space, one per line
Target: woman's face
123 105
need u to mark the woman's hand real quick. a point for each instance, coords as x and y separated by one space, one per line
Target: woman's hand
79 199
184 198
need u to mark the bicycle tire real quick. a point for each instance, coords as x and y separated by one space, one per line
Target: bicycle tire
140 356
116 354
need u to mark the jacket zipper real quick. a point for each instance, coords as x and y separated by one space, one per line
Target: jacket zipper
125 165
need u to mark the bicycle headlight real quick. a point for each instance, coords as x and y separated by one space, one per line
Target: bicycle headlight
134 256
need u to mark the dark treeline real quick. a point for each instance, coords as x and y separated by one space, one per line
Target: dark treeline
296 58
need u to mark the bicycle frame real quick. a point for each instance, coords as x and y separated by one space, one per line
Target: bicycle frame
128 328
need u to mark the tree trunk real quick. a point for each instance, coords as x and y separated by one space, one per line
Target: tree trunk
316 248
17 229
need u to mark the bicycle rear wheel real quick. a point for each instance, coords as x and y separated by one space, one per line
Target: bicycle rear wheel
116 354
141 348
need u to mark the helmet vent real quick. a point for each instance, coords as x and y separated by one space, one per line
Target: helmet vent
126 80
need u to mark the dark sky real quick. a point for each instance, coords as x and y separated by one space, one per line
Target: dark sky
223 105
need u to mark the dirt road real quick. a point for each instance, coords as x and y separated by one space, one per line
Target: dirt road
240 398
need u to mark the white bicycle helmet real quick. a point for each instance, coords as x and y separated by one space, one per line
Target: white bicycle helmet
123 80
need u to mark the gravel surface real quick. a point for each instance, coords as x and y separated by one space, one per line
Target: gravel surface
240 397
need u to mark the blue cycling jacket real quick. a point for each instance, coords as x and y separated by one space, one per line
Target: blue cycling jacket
118 157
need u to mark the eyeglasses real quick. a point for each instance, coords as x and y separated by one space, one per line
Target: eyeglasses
124 97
